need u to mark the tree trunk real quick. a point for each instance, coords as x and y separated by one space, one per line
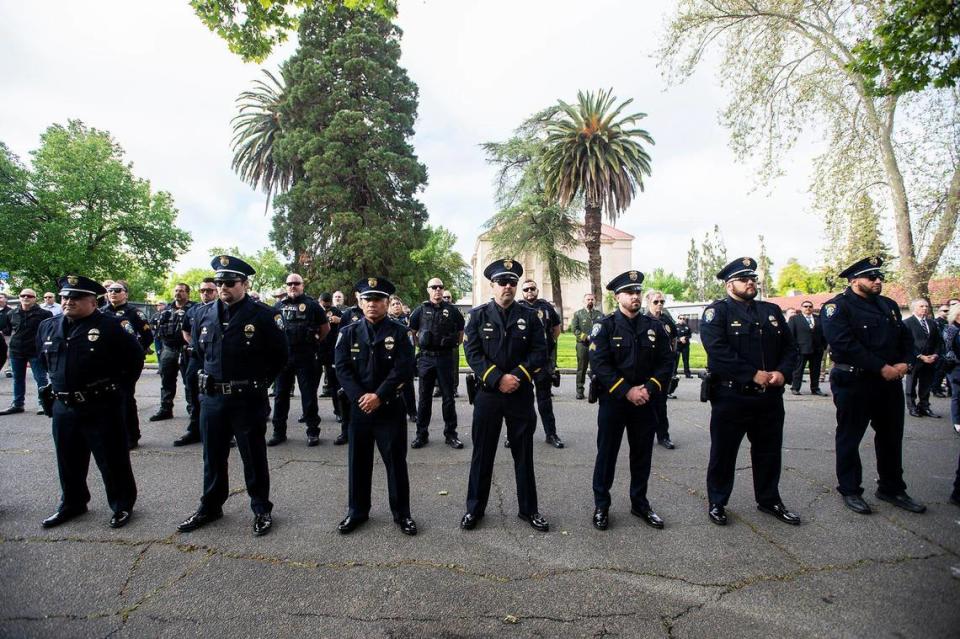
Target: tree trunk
555 288
591 239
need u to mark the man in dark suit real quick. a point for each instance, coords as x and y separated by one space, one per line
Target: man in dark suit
928 342
808 336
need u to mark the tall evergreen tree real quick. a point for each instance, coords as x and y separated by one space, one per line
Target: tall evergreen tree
764 266
347 117
694 289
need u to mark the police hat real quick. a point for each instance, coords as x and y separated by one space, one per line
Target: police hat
740 267
626 282
228 267
374 287
78 286
503 268
867 266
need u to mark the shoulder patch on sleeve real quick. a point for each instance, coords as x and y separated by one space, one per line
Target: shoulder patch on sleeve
829 310
708 315
596 329
278 320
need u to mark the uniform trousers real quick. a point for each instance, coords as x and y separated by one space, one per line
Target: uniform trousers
861 400
613 418
684 352
304 368
436 367
387 428
583 362
169 363
760 417
131 416
814 358
490 410
225 417
659 403
192 391
543 384
95 428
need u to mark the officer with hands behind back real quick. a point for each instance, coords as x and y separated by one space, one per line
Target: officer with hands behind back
242 346
374 359
871 349
92 361
750 355
631 359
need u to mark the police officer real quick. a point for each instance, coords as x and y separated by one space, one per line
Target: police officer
655 310
871 349
631 359
683 346
374 360
306 326
455 354
397 311
243 348
91 360
506 348
438 330
170 331
751 355
330 382
208 295
542 382
134 322
582 326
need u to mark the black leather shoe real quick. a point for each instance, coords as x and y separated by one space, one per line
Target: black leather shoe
818 392
651 518
62 517
506 443
12 410
902 500
418 442
555 441
187 439
350 523
671 396
199 519
469 522
313 440
795 392
926 412
857 504
408 526
120 519
276 439
666 443
412 419
718 514
340 440
601 519
454 442
780 512
536 521
262 523
914 412
161 415
40 411
580 395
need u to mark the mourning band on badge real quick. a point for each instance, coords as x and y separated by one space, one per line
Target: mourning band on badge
249 330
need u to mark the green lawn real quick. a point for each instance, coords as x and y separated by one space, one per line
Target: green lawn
567 353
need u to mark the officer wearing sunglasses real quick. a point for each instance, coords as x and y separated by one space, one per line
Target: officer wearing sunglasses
872 351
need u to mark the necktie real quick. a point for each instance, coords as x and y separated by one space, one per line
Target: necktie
926 329
810 321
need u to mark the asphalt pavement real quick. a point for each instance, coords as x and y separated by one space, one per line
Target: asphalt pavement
890 574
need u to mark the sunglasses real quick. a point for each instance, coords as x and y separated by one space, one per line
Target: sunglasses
208 290
874 278
505 281
225 283
294 283
745 279
435 287
529 288
658 302
807 306
28 296
115 290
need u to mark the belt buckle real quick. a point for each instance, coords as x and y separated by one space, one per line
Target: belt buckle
79 397
226 389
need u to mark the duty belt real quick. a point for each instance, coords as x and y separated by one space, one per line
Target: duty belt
233 387
746 389
847 368
77 398
436 351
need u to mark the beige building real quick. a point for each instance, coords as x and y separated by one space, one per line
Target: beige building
616 254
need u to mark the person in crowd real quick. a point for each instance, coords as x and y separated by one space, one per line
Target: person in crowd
24 321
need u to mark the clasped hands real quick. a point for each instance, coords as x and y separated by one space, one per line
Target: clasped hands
894 372
768 378
369 402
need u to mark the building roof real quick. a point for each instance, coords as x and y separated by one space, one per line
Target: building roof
940 291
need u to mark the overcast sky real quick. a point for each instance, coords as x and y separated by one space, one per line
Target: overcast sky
164 86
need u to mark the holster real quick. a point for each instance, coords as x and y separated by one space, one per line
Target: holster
555 378
706 385
471 387
345 406
593 391
46 399
672 386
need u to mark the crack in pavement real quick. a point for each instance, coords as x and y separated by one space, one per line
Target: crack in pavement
501 618
133 569
503 522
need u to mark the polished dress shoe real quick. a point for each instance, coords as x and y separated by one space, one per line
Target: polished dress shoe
350 523
857 504
536 521
187 439
601 519
818 392
12 410
262 523
469 522
120 519
62 516
313 440
902 500
418 442
649 517
276 439
408 526
580 395
412 418
666 443
340 440
717 514
40 411
795 392
780 511
506 443
454 442
671 396
161 415
555 441
199 519
926 412
914 412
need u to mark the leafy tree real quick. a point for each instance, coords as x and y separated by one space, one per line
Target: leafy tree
437 259
252 28
80 209
694 278
764 265
796 276
592 154
857 238
713 257
667 283
347 116
791 73
915 45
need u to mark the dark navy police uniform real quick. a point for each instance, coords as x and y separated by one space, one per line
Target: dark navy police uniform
438 328
543 381
193 366
134 322
171 359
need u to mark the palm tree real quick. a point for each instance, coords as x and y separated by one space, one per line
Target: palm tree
256 129
589 153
